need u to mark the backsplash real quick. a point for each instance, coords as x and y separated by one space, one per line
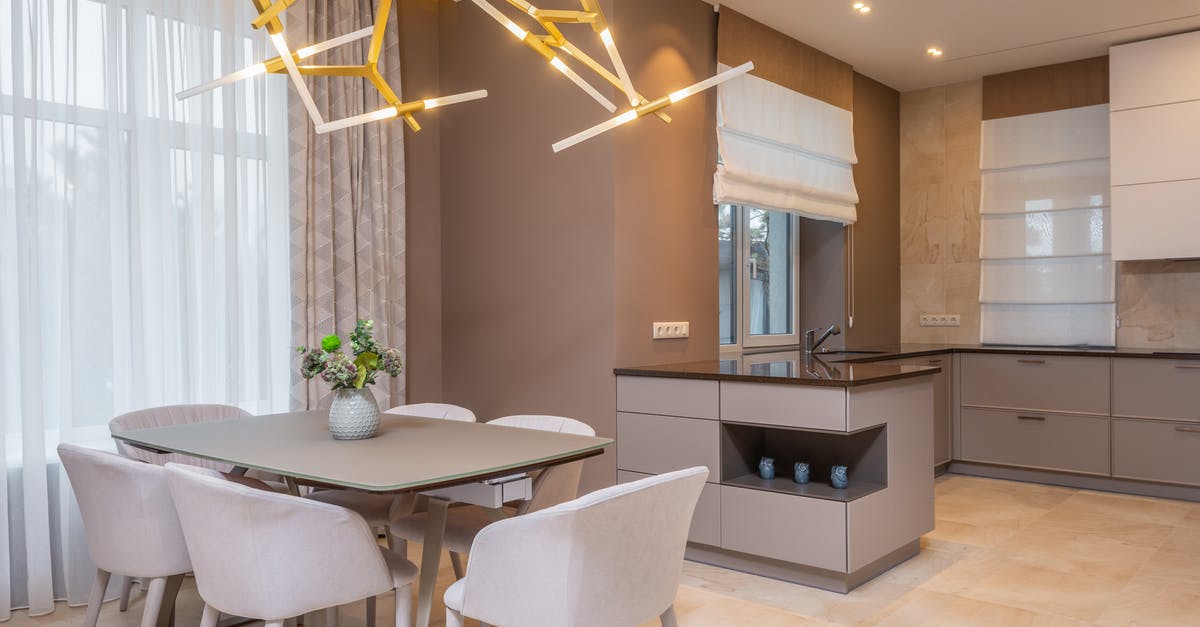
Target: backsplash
1158 301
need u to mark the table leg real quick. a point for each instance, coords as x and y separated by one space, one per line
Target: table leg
431 557
293 488
239 471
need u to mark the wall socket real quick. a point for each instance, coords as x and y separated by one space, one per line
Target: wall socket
669 330
940 320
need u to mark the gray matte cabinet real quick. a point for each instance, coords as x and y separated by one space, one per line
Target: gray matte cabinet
1156 388
659 444
778 526
1035 382
1155 450
943 402
1036 440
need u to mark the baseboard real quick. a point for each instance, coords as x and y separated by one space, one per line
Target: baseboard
1071 480
833 581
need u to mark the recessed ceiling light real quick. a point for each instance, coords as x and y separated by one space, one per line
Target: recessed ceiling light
934 52
861 7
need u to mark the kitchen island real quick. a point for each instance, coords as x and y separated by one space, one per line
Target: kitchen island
876 419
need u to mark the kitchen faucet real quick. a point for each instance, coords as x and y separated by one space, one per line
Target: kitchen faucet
811 341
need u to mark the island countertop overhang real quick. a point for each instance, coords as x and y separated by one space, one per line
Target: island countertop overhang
793 369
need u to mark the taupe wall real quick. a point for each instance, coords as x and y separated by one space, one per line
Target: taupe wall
665 246
527 255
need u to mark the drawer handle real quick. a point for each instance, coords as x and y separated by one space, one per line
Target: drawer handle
1188 366
1037 418
1031 361
1188 429
934 362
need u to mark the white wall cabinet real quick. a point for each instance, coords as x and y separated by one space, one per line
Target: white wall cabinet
1155 134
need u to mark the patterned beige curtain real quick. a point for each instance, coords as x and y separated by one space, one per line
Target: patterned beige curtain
347 197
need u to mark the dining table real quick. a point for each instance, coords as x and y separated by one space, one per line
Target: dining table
443 461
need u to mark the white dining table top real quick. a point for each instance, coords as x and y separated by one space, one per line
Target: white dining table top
408 454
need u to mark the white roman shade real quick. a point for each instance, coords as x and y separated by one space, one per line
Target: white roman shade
783 150
1047 275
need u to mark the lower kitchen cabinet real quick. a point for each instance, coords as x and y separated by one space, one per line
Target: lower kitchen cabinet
943 402
802 530
1036 440
1155 450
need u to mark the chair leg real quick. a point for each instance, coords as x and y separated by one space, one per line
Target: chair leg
154 601
453 619
99 585
399 545
126 590
667 618
210 617
166 611
331 617
456 562
274 623
370 611
404 606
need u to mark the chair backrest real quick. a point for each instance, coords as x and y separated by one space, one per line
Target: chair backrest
271 556
167 416
556 484
128 516
612 557
444 411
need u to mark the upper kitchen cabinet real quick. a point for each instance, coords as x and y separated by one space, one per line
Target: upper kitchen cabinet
1155 141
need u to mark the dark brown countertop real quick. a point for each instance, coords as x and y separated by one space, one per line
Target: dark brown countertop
855 367
788 367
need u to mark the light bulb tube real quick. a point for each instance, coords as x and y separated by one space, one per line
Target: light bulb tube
290 63
603 127
232 77
309 51
622 73
582 84
442 101
712 81
495 13
374 116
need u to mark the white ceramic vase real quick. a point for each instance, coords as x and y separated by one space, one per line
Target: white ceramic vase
354 414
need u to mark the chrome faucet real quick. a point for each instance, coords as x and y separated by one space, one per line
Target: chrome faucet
811 341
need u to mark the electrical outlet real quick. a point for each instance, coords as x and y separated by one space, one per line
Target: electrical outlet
941 320
670 330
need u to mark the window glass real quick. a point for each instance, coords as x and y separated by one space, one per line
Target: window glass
727 234
770 278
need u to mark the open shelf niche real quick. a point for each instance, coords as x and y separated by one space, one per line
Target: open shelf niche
863 452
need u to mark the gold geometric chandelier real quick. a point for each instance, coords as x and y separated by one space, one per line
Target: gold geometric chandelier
548 45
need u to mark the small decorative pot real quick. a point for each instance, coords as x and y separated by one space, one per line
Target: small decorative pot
839 478
354 414
766 468
800 472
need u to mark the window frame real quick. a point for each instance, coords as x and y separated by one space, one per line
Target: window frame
741 253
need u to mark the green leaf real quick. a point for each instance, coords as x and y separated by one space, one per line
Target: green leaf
361 378
367 361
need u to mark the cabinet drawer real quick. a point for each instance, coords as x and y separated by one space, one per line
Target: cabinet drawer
1036 382
670 397
1047 441
658 444
706 520
801 406
1156 451
942 401
789 528
1156 388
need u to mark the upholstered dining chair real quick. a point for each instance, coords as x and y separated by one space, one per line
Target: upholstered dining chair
609 558
381 509
171 415
551 486
269 556
130 525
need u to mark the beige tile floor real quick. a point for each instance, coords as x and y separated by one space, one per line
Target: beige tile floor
1003 553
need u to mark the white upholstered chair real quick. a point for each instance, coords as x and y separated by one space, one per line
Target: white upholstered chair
131 526
551 486
170 415
270 556
381 509
610 558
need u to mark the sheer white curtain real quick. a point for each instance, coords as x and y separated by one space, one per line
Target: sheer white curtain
143 246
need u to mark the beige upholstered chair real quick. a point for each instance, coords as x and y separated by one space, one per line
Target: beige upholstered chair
551 486
381 509
610 558
131 526
270 556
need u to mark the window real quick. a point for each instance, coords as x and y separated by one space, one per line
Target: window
757 277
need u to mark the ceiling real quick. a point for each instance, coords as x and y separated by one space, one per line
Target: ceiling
979 37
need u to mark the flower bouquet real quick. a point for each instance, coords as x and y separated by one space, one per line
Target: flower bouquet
354 414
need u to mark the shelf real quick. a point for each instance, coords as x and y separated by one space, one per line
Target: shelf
812 489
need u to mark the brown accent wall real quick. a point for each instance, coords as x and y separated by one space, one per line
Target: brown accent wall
1046 88
527 237
876 235
665 229
423 234
783 60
